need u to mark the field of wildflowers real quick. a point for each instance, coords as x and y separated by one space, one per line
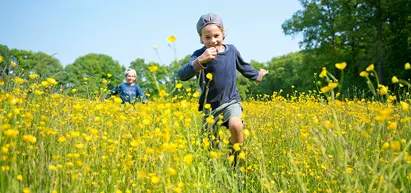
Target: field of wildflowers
310 142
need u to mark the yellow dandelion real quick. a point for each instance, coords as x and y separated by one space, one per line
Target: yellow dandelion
236 146
52 168
188 159
26 190
19 178
364 74
332 85
155 46
1 59
33 76
394 79
171 39
404 105
370 68
52 81
179 85
392 125
209 76
214 154
385 146
395 145
407 66
19 80
341 65
241 155
155 180
323 72
196 94
383 90
109 75
325 89
13 64
231 159
152 68
171 172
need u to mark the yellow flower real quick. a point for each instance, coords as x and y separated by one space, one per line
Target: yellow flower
33 76
61 139
385 146
1 59
383 90
109 75
12 64
19 80
163 93
179 85
155 180
404 106
209 76
392 125
325 89
188 159
73 90
152 68
323 72
236 147
171 39
394 79
155 46
332 85
85 78
341 66
364 74
19 178
407 66
196 94
52 81
370 68
395 145
52 168
214 154
26 190
171 172
210 119
29 138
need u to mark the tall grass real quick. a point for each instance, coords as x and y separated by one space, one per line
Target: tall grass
57 143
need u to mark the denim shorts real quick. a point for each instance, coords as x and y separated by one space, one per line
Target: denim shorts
228 110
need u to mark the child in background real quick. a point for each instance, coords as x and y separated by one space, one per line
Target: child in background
129 91
219 89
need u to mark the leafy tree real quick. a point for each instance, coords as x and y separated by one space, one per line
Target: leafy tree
89 73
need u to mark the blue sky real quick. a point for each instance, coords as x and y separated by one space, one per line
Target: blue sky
128 29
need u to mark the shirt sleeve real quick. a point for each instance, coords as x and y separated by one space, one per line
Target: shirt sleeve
245 68
113 91
192 67
140 94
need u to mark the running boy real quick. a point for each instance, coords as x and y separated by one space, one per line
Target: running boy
129 91
222 61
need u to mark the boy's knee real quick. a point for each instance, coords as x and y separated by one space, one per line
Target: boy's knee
235 123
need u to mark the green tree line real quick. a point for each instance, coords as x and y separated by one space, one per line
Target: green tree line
358 32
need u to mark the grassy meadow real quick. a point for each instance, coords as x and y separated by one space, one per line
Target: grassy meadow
309 142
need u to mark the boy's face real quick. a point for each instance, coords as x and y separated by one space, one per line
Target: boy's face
130 78
212 36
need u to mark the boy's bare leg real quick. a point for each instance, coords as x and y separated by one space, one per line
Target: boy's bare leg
235 125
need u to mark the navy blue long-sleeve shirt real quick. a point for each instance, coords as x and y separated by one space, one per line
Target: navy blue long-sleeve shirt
128 93
222 88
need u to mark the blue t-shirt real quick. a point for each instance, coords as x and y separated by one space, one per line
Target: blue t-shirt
129 93
222 88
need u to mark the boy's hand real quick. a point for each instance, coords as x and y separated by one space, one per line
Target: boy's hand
209 54
261 74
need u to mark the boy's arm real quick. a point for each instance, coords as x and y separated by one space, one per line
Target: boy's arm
113 91
193 66
141 95
190 69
